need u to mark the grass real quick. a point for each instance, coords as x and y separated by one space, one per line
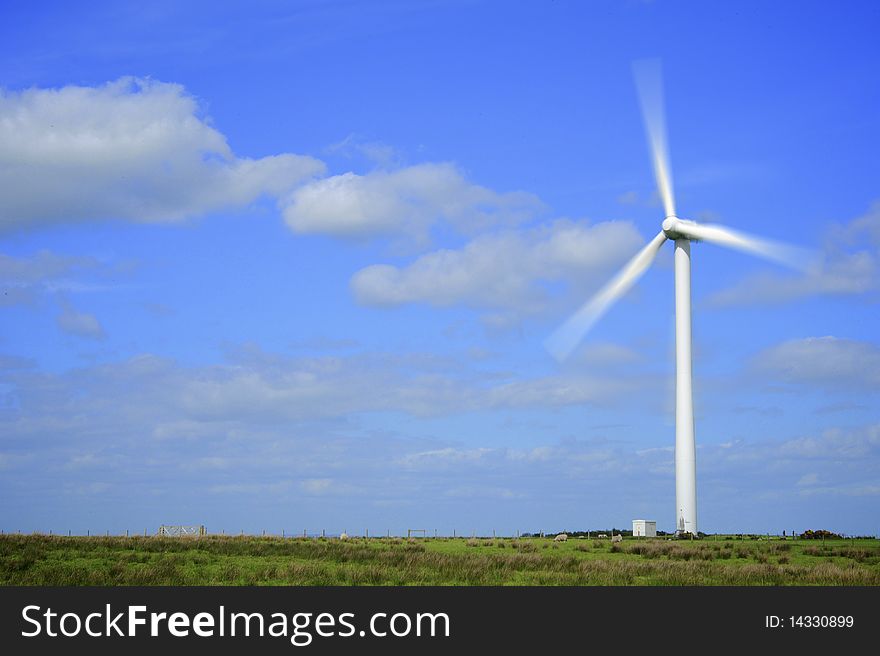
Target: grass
216 560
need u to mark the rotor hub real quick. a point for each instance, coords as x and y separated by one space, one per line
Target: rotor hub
670 223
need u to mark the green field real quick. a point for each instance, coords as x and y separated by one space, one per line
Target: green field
216 560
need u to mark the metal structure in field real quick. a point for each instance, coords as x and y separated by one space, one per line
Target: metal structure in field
682 232
175 531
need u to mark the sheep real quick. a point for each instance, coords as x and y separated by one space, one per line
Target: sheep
562 537
343 536
616 538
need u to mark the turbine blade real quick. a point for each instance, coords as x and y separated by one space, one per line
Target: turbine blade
649 84
565 338
791 256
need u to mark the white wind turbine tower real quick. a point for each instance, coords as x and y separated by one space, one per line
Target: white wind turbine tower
564 340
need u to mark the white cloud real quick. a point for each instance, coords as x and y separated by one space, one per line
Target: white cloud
258 489
375 152
843 491
806 480
606 353
824 465
79 323
133 149
321 487
628 198
560 390
503 270
443 458
188 429
834 444
484 492
23 279
849 447
867 225
317 485
822 360
42 266
140 150
405 201
848 266
299 449
184 407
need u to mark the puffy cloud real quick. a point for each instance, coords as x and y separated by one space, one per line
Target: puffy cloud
502 270
407 200
153 429
560 390
822 466
838 274
375 152
865 226
320 487
140 150
42 266
176 404
606 353
22 279
834 444
79 323
822 360
847 266
133 149
157 428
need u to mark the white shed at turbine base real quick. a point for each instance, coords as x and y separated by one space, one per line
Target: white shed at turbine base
644 528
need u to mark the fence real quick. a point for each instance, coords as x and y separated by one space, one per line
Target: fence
182 531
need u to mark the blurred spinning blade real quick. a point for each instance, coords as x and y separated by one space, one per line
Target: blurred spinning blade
649 84
566 338
792 256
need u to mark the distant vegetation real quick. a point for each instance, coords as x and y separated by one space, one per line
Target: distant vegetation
821 534
216 560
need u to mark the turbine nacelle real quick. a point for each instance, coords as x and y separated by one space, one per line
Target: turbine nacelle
672 227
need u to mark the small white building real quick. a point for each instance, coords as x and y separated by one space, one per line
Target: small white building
644 528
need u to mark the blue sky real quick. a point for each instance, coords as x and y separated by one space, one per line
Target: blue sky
291 265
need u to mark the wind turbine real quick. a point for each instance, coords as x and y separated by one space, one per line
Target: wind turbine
682 232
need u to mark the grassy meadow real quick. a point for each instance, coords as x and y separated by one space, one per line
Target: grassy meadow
220 560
